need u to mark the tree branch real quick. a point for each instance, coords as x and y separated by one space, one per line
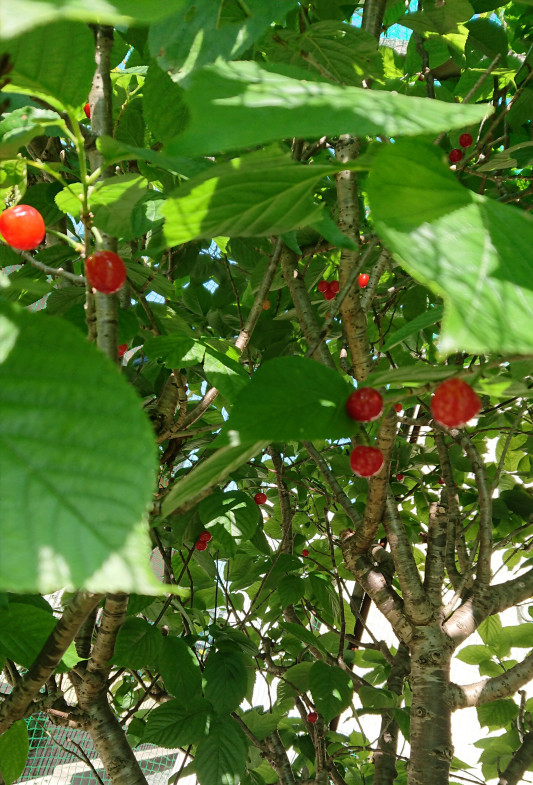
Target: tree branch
487 690
331 480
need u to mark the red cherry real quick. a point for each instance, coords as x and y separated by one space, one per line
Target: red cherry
122 349
322 286
87 110
455 155
105 271
334 287
363 280
260 498
399 477
312 717
441 481
465 140
421 78
398 407
305 552
454 403
201 545
329 295
366 461
364 405
22 227
205 537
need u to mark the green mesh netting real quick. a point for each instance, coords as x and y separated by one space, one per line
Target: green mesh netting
56 757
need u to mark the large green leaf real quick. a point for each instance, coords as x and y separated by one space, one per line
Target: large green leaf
440 19
179 669
497 713
331 688
210 472
43 63
159 90
20 126
290 398
241 104
76 464
37 625
234 510
14 748
458 244
264 193
16 16
226 679
137 644
221 756
174 724
205 30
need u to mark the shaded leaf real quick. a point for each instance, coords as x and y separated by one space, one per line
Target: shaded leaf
174 723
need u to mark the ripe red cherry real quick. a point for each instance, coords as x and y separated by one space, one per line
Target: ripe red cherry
441 481
22 227
329 295
363 280
87 110
398 407
364 405
122 349
455 155
260 498
322 286
454 403
312 717
465 140
201 545
399 477
334 287
366 461
105 271
305 552
205 537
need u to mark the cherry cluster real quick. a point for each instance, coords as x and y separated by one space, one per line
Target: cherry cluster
329 289
453 404
455 155
203 539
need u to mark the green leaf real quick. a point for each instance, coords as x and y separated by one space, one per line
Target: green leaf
320 412
234 510
303 634
331 688
18 16
263 723
243 105
43 64
439 19
518 156
497 713
520 636
14 748
75 478
37 625
176 350
137 645
431 221
261 194
175 724
221 756
159 90
20 126
490 630
179 669
202 32
373 698
225 374
112 202
475 654
290 590
207 475
427 319
226 679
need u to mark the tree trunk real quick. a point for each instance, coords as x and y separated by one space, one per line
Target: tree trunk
112 745
431 740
